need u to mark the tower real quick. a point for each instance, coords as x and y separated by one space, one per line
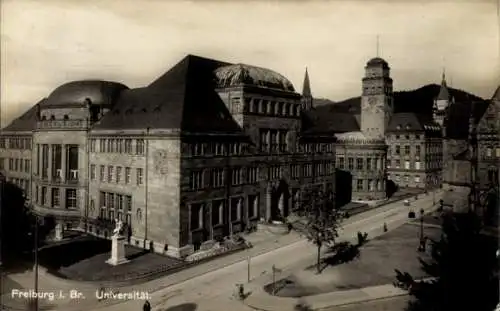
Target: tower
377 99
307 99
441 102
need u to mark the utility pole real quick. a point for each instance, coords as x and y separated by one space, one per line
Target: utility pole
35 268
248 269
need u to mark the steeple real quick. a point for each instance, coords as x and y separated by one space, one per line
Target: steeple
306 88
307 99
443 91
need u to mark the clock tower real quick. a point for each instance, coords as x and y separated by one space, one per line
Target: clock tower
377 99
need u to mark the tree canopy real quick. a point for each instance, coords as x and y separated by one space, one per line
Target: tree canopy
322 219
16 224
464 267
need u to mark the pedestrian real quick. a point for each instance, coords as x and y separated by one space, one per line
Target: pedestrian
146 306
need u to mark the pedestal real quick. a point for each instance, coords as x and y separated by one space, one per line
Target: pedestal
117 251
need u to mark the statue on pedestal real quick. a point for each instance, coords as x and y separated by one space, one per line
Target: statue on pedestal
118 231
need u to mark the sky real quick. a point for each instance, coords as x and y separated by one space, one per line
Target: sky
47 43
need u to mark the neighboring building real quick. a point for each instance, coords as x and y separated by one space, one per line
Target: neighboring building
207 150
461 119
415 153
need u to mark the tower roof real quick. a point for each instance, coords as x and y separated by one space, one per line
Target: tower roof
306 88
496 95
443 91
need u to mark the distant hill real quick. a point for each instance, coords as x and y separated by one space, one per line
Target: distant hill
420 100
322 101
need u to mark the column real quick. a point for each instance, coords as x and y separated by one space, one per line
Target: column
63 162
269 194
50 162
58 232
210 210
40 160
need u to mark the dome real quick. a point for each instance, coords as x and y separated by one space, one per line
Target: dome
240 74
377 61
76 92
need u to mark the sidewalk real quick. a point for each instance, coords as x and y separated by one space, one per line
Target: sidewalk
264 302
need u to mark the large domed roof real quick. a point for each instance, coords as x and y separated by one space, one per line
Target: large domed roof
76 92
240 74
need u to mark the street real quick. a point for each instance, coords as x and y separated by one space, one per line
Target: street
213 291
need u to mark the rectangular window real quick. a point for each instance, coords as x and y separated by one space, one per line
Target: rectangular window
350 163
264 140
139 148
417 179
127 175
92 171
217 177
359 163
71 202
102 145
497 152
27 164
295 171
128 146
44 195
110 173
236 207
253 206
417 165
417 150
369 164
140 176
274 140
119 145
128 203
92 145
16 165
341 163
407 165
398 163
252 175
217 212
359 185
101 172
102 199
111 201
398 150
196 216
196 180
283 144
55 197
118 174
407 150
119 202
236 176
2 163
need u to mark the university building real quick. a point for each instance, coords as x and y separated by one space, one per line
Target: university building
207 150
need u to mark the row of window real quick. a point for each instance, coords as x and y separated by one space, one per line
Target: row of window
273 141
16 165
218 212
118 145
369 185
54 200
15 143
215 148
271 108
361 163
489 152
406 178
417 165
115 206
116 174
407 137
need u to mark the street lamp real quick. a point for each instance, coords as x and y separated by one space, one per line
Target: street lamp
421 247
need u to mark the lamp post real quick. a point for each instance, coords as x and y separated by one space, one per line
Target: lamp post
421 247
35 306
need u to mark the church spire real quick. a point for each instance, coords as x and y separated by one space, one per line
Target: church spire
307 99
443 91
306 88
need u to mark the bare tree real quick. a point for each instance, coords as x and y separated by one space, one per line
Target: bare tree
322 219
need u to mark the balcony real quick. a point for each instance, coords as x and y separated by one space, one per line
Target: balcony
63 124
